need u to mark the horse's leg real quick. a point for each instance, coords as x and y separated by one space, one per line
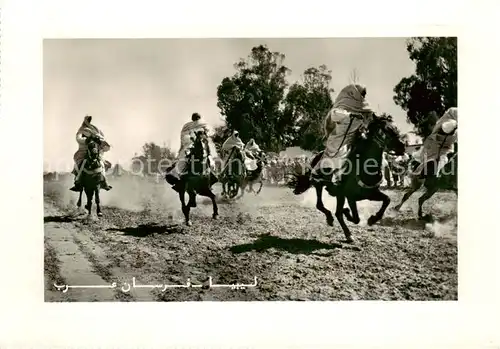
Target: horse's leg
240 186
223 194
320 206
90 194
415 185
395 179
243 187
79 203
430 190
210 194
98 202
387 175
185 208
260 187
352 215
379 196
192 199
227 189
339 213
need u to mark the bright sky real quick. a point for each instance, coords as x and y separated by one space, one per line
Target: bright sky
142 90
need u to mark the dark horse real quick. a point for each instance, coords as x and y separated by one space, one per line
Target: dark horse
91 177
254 176
357 183
107 166
233 173
432 183
198 178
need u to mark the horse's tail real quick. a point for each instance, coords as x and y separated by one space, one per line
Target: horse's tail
299 182
172 180
300 179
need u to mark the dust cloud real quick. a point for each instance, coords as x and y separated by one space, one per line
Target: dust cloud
154 195
131 193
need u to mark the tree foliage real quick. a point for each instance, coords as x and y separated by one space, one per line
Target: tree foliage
306 105
433 87
258 102
251 100
221 133
152 156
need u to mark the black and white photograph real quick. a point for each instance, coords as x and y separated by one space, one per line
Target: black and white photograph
249 169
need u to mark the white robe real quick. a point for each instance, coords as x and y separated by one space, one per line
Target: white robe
87 130
228 145
253 149
438 145
187 135
341 128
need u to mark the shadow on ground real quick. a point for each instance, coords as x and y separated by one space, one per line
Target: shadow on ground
144 230
58 219
296 246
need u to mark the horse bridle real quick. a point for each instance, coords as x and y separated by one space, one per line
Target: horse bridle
380 139
93 155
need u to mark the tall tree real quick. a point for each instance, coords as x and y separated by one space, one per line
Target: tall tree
433 87
251 100
221 133
306 105
152 156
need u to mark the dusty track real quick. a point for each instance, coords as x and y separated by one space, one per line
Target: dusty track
278 237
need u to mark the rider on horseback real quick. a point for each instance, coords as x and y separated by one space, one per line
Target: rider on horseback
86 130
187 134
233 141
438 145
350 113
252 150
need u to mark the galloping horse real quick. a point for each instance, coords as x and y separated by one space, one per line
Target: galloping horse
254 176
357 183
198 179
91 176
233 174
432 183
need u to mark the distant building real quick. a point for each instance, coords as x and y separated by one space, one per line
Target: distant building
293 152
415 147
411 148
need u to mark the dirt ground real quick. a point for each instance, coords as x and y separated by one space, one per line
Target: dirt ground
277 237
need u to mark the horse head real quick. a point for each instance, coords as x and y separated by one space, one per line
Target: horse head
198 153
235 163
237 153
93 152
385 134
198 145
